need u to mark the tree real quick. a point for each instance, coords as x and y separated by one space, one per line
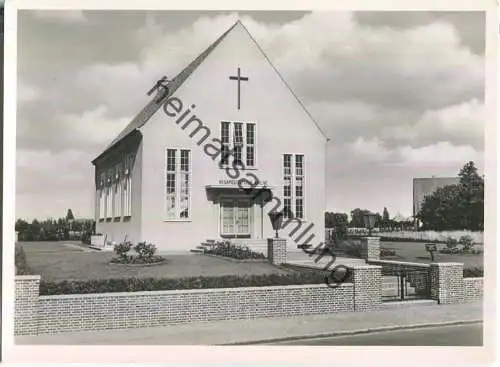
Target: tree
385 215
459 206
337 221
358 218
69 215
471 187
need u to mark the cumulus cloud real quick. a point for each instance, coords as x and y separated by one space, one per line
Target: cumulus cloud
387 95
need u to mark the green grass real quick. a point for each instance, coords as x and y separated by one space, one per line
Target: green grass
56 262
415 252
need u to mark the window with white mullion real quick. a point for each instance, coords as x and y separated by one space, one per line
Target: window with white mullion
184 183
226 141
102 196
287 185
178 184
250 145
299 186
238 143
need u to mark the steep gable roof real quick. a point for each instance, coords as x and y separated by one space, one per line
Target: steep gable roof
153 106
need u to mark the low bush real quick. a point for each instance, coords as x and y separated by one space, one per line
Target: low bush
351 248
387 252
162 284
145 254
20 261
235 251
474 272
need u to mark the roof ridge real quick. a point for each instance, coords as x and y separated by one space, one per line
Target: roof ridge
143 116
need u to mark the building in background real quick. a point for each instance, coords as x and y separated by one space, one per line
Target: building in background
426 186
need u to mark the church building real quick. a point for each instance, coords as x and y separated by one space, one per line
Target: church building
216 149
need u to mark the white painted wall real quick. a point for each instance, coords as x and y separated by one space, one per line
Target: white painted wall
282 127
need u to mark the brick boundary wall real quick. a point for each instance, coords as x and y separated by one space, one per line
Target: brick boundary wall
473 289
447 285
59 313
26 304
370 248
367 280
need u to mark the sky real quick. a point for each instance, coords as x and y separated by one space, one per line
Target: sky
399 94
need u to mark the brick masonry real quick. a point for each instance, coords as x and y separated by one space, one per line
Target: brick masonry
276 250
473 289
370 248
146 309
447 282
367 280
26 304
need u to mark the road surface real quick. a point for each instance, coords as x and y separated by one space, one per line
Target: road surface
457 335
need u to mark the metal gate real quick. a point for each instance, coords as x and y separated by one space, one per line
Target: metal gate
405 285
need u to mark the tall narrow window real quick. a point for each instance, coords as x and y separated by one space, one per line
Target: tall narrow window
109 195
118 192
102 196
178 184
293 185
185 171
127 185
225 142
171 184
287 185
250 158
299 186
238 143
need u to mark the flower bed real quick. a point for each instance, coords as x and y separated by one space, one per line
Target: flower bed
234 251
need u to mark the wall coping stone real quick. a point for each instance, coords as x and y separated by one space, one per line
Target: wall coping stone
28 277
447 264
187 291
393 262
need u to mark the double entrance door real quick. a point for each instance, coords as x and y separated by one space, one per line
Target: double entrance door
235 217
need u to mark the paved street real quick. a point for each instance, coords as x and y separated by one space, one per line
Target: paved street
457 335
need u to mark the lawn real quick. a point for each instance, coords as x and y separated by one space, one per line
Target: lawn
56 261
415 252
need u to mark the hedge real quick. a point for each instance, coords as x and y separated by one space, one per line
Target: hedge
163 284
474 272
20 262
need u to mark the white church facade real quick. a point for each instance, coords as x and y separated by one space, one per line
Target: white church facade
216 149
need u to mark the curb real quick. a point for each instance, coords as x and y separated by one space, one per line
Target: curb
358 332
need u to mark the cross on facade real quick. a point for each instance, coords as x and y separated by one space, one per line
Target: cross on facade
239 78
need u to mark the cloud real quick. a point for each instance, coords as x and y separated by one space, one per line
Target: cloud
396 100
442 152
28 93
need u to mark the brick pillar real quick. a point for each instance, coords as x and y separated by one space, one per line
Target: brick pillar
447 282
276 250
367 281
27 291
370 248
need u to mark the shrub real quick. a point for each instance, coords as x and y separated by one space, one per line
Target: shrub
467 242
450 242
145 252
387 252
235 251
20 261
121 250
476 272
162 284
